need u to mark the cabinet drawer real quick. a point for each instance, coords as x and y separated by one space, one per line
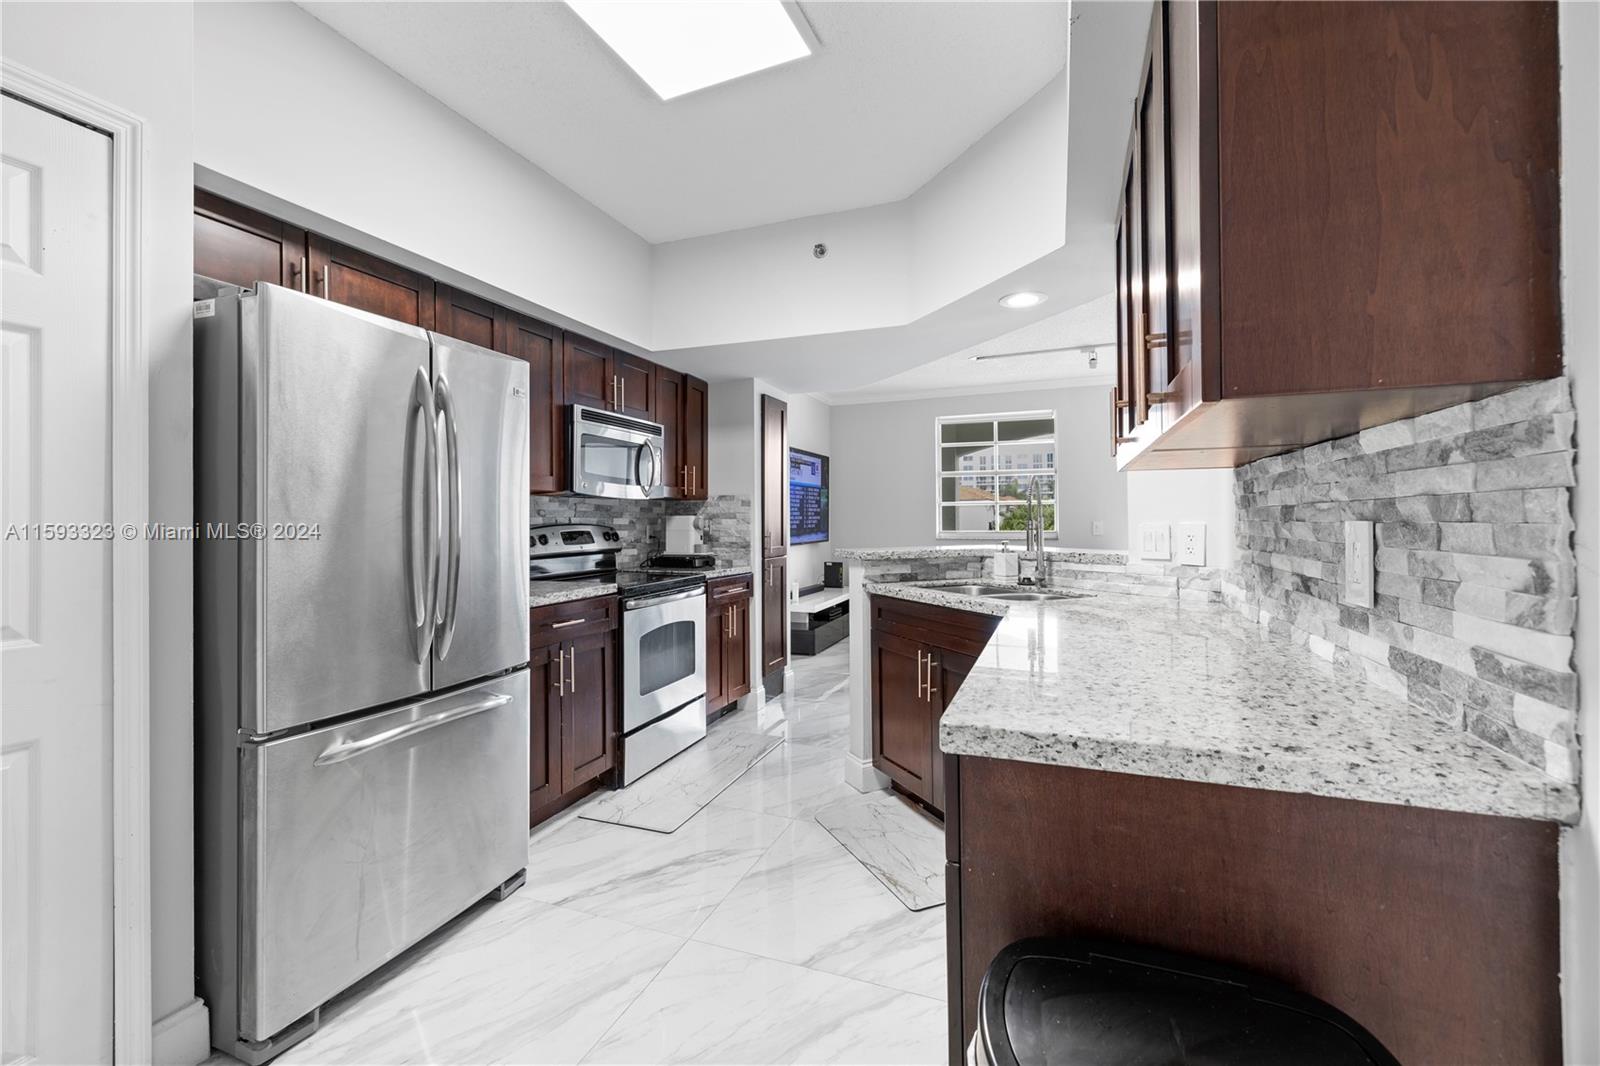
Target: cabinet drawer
725 589
563 621
965 632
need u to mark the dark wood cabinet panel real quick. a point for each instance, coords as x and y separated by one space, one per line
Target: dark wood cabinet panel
736 656
696 409
636 385
539 345
727 640
903 719
464 316
1437 931
670 413
718 636
589 710
774 477
544 732
586 369
356 279
774 615
241 246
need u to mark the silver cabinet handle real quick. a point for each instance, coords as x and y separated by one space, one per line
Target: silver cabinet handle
572 622
351 748
623 406
561 672
424 587
572 668
919 673
452 575
324 282
303 282
932 692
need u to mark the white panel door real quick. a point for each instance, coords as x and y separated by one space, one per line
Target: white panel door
55 570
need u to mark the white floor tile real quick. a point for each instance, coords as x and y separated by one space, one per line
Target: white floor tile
795 781
901 845
672 793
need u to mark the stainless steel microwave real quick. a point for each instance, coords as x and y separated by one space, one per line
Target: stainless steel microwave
614 455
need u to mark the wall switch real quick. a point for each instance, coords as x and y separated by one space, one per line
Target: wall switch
1155 540
1191 547
1359 581
1097 529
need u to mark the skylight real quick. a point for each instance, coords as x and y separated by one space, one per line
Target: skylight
679 46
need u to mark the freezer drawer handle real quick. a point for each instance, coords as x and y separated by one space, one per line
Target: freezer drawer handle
350 749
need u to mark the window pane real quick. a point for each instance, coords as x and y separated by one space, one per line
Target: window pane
1016 488
964 458
965 432
1027 456
970 489
1042 430
1015 516
954 518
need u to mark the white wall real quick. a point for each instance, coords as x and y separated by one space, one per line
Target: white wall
139 57
287 106
883 467
1174 496
1580 249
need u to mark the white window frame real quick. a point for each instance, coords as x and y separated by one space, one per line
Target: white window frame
939 423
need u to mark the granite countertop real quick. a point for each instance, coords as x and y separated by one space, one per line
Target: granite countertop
547 593
709 575
1092 556
1170 689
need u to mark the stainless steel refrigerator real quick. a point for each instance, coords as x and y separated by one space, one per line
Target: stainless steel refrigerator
361 648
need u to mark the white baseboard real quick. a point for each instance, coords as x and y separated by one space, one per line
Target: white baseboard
860 775
182 1038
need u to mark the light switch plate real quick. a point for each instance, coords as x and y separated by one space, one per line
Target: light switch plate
1155 540
1191 546
1359 579
1097 529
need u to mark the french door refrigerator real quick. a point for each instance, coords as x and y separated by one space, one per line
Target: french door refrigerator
362 648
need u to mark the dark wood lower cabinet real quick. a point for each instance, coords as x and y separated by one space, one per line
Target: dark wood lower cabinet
920 655
573 732
1437 931
727 640
774 614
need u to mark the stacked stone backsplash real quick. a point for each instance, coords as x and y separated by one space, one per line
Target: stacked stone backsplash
1476 576
723 523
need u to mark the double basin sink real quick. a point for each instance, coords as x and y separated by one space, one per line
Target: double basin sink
1011 593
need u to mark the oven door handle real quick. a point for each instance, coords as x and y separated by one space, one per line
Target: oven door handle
668 597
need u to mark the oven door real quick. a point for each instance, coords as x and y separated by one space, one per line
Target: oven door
615 456
663 656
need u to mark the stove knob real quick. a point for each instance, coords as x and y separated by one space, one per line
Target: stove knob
544 538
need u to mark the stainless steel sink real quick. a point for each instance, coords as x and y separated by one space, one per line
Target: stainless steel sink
1011 593
978 590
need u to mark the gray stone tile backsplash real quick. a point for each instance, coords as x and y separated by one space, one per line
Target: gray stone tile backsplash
723 522
1476 576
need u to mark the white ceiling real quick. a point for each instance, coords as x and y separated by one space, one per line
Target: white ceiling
1055 360
895 93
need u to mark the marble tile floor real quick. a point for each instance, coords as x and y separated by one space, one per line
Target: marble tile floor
670 795
902 845
749 935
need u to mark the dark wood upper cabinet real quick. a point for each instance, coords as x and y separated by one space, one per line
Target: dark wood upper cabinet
241 246
774 477
356 279
1337 215
539 345
636 385
586 366
696 409
463 316
670 413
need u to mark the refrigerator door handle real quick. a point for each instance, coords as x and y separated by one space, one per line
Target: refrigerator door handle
350 749
423 586
452 575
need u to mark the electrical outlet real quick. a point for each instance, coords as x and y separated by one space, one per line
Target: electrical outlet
1359 582
1191 546
1155 540
1097 529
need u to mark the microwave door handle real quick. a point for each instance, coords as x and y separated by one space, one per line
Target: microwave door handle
452 574
422 585
648 483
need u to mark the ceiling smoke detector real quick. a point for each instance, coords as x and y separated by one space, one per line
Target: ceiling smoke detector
819 250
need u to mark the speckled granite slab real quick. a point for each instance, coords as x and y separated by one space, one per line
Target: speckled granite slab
962 551
1188 691
709 575
546 593
938 596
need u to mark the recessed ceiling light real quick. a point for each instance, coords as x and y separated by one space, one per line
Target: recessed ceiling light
678 46
1018 300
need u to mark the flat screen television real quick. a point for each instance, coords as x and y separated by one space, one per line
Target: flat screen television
808 497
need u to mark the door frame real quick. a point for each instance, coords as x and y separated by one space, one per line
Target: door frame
128 441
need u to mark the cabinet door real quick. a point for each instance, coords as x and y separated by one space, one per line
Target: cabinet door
902 717
240 246
1155 209
463 316
774 615
718 626
669 412
539 345
589 709
695 406
945 673
736 658
636 385
586 369
356 279
544 729
774 477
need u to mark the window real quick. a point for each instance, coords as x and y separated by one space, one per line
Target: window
985 465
